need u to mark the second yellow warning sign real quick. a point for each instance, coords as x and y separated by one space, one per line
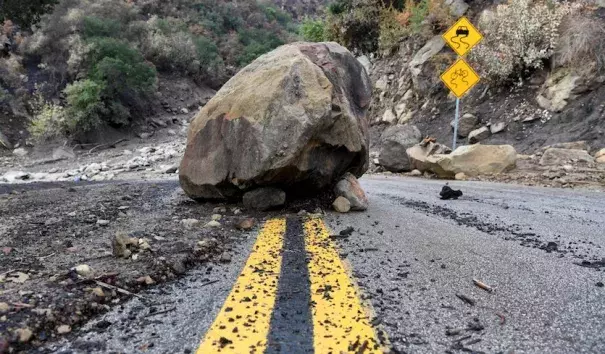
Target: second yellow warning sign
460 78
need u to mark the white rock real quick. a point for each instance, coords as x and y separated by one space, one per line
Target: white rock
213 224
190 223
185 111
102 222
21 152
83 270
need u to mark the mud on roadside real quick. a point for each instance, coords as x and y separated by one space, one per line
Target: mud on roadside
48 229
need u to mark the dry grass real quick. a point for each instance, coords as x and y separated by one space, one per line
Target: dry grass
582 42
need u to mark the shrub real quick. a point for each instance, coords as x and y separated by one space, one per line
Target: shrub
519 38
582 42
392 29
25 12
355 24
313 30
85 109
48 120
101 27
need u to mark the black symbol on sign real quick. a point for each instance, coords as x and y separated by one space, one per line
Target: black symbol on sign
461 33
459 74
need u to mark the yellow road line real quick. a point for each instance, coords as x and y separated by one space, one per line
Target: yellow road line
340 322
242 325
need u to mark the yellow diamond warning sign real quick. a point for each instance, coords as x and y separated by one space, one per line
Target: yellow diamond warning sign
462 36
460 78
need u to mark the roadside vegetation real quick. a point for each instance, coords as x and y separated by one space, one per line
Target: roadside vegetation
520 36
78 64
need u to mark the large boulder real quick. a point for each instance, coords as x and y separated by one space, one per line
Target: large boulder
394 143
475 160
555 156
296 118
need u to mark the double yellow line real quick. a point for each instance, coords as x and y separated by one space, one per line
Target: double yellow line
340 321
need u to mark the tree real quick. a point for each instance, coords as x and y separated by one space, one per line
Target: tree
24 12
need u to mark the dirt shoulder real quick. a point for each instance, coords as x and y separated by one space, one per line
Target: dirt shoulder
57 250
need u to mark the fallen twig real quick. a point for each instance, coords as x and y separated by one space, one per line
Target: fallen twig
106 145
160 312
483 286
20 304
47 256
209 283
466 299
120 290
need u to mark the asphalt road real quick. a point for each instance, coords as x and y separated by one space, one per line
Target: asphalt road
412 255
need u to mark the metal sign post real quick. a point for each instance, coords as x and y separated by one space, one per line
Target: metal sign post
460 77
456 123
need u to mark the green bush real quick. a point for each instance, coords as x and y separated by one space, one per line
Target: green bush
85 109
101 27
256 43
313 30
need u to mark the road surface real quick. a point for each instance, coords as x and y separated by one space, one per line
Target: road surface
400 280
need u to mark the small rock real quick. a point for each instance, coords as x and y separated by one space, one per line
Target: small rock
237 211
101 222
478 134
144 135
83 270
185 111
213 224
225 258
349 188
171 170
98 292
460 176
342 205
600 284
207 245
245 224
121 244
4 307
24 335
219 210
217 217
497 127
416 173
21 152
63 329
190 223
147 280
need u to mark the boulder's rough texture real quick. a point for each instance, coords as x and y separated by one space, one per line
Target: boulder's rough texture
342 205
430 49
264 198
476 159
478 134
421 156
561 87
554 156
296 118
466 124
600 153
349 188
394 143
